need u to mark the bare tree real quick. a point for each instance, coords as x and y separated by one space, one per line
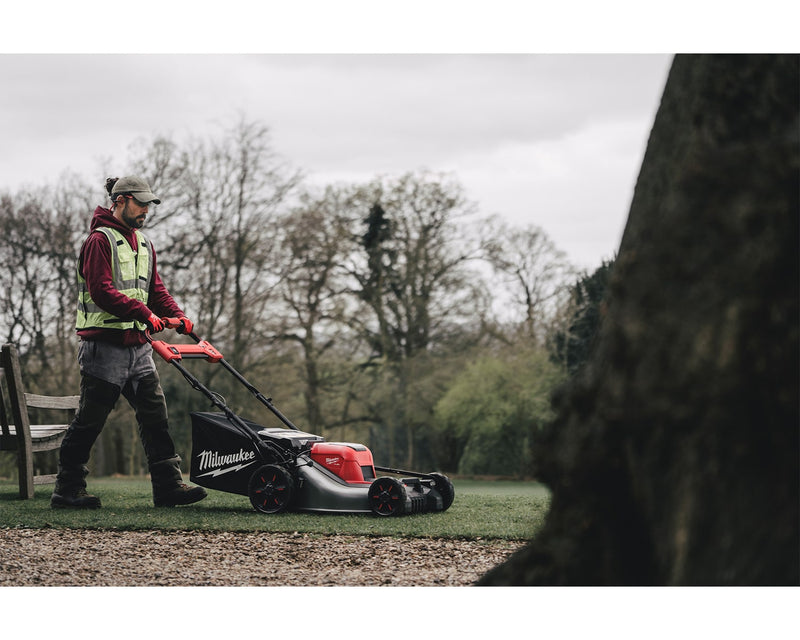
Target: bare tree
411 272
313 244
43 228
413 266
535 272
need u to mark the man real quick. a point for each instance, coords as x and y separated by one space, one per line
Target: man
120 295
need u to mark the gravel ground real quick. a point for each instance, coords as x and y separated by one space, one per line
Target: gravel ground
55 557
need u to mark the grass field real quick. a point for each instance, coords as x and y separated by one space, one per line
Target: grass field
481 510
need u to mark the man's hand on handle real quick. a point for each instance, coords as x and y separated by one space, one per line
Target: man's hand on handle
181 325
186 325
155 323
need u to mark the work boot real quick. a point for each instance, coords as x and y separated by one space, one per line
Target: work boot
168 487
70 490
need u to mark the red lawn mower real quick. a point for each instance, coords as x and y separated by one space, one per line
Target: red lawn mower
286 469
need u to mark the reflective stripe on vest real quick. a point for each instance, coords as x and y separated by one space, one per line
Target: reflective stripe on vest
131 272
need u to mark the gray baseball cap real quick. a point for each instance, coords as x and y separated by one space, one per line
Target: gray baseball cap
136 187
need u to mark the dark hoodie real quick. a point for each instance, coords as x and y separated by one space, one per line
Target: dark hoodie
94 264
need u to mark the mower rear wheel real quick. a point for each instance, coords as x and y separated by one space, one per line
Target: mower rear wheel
445 488
387 497
270 489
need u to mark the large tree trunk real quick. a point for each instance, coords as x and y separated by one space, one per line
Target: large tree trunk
674 457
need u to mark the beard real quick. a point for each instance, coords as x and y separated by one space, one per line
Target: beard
132 220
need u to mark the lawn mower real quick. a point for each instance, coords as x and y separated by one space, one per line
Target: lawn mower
286 469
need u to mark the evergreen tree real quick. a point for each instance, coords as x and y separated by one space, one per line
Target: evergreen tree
571 348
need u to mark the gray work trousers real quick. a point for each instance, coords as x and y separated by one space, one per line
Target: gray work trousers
108 371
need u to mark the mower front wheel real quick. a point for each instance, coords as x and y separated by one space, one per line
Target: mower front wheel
270 489
387 497
445 489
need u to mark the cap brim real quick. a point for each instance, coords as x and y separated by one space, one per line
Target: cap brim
145 196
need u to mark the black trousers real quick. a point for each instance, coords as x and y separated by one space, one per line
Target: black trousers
98 398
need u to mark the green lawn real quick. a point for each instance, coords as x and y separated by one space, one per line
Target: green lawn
481 510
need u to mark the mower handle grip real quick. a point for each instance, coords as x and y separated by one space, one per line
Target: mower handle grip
169 323
175 323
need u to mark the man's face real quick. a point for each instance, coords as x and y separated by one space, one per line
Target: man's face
134 213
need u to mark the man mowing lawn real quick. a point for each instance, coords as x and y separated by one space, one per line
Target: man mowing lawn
120 295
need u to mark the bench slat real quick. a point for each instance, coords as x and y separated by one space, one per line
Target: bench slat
49 478
41 430
51 402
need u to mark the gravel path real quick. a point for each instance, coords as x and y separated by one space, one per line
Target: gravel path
56 557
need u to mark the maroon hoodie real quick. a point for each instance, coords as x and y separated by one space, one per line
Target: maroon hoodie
94 264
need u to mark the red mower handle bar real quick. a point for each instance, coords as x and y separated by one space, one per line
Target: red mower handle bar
176 352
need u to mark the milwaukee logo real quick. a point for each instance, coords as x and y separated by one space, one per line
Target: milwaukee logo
215 461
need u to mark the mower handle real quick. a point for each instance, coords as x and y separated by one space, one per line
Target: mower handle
172 323
173 352
169 323
175 323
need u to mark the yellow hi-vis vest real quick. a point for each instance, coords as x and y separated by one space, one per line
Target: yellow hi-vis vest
131 272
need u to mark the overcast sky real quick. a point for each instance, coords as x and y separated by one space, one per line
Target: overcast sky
553 140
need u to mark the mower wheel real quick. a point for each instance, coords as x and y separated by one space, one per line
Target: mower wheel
270 489
387 497
445 488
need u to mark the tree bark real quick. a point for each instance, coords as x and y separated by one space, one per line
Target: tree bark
674 456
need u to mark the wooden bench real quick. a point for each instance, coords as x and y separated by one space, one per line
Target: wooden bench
16 431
